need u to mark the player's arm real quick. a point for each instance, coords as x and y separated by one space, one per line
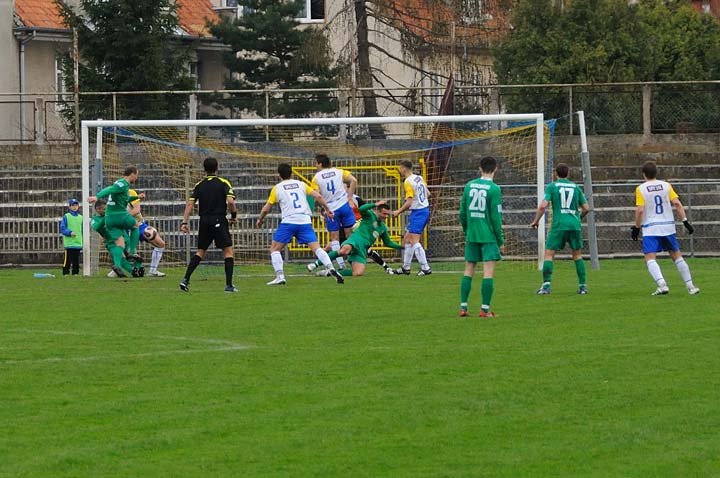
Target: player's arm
639 213
387 240
186 215
681 213
351 183
463 209
539 213
321 201
409 195
105 192
495 212
230 201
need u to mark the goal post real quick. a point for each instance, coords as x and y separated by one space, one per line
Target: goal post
448 148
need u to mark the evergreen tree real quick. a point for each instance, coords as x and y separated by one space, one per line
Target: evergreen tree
128 45
268 49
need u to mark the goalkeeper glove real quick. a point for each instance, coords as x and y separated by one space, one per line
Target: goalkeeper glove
634 233
688 226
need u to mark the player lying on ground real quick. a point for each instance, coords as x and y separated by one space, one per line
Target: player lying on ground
566 198
354 249
654 200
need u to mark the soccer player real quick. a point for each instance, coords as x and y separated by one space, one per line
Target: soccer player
291 196
355 248
72 232
481 220
157 242
566 198
97 222
654 202
118 219
337 187
417 200
215 196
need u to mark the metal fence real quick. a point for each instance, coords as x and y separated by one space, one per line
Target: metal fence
613 108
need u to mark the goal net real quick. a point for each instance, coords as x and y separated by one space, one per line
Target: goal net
445 150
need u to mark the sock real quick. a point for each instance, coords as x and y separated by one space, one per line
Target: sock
656 273
332 255
488 286
277 262
465 288
324 257
117 254
156 256
377 258
547 272
420 254
580 269
346 272
133 240
684 271
125 263
335 246
194 262
407 256
229 266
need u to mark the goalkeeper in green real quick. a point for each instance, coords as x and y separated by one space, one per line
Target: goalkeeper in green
118 219
481 220
98 224
354 249
567 199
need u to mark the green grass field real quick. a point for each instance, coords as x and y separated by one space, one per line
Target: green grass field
378 377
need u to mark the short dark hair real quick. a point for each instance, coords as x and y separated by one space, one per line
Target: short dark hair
488 164
322 160
285 170
406 163
99 202
130 170
210 165
649 169
382 206
562 170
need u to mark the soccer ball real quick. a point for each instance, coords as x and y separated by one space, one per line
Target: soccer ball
150 233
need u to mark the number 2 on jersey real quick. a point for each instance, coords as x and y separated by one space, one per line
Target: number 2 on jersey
296 198
478 200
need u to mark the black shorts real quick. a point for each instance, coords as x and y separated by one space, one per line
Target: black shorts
214 228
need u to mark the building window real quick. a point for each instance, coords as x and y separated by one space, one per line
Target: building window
313 11
60 86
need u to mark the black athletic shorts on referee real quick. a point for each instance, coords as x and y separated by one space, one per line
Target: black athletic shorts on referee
214 228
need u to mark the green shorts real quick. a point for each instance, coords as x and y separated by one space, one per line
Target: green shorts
359 251
556 240
482 252
117 224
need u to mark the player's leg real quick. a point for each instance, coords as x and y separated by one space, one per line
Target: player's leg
358 269
416 225
547 272
75 261
204 239
333 228
490 254
276 260
580 270
651 246
684 271
377 259
223 240
473 255
158 249
66 262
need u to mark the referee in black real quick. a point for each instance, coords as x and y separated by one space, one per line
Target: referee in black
214 196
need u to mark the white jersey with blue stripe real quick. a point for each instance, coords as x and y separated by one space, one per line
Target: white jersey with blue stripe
416 189
656 197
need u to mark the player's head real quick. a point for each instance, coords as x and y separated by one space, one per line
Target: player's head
285 171
100 207
322 161
210 165
131 174
406 167
562 170
74 204
382 211
649 170
488 164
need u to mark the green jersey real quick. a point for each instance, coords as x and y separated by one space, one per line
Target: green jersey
98 225
118 196
370 229
481 212
566 198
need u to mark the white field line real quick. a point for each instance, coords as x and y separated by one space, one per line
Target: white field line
215 345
